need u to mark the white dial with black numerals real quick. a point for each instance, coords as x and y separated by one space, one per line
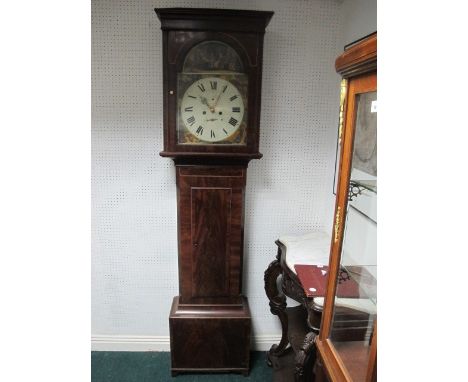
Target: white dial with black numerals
212 109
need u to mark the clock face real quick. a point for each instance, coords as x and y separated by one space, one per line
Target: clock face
212 109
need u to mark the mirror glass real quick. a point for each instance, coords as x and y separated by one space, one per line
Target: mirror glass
355 310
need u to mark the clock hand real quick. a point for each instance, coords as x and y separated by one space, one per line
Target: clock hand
217 99
204 101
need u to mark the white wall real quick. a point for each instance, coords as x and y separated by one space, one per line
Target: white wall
359 18
134 239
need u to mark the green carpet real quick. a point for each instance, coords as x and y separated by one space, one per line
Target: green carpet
155 367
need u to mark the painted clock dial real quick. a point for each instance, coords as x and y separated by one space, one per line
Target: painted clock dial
212 109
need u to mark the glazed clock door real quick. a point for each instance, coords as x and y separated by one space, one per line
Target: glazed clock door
212 101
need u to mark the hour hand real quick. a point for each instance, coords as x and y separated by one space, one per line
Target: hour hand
204 101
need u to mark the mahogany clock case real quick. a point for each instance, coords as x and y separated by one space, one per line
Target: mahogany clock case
210 321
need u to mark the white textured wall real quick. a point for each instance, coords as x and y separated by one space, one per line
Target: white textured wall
134 241
359 19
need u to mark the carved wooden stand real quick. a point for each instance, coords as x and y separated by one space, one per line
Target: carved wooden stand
299 325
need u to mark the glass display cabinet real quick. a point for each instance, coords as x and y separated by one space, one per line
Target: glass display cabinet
347 343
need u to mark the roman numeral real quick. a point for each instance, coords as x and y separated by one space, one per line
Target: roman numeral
214 85
224 89
225 131
189 108
236 109
192 97
202 88
233 98
233 121
191 120
213 134
200 130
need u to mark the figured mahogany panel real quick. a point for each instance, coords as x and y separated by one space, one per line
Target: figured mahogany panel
210 207
211 212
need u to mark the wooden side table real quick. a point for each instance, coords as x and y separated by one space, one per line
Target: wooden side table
295 354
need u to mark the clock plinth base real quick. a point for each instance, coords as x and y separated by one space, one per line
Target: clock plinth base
210 337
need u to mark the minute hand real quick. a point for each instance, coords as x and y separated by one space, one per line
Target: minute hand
217 99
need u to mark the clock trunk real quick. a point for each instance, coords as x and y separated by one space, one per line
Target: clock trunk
210 209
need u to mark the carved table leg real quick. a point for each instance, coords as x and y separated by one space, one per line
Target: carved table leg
319 371
277 306
305 358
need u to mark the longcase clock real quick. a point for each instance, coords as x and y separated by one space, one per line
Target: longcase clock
212 72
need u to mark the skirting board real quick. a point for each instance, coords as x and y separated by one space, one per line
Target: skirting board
161 343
